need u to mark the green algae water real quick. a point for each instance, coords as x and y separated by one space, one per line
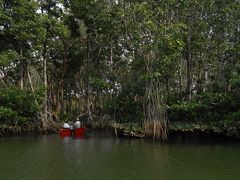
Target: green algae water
103 157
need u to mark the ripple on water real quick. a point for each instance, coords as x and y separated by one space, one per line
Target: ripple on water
51 157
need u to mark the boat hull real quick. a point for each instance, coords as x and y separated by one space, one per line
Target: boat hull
65 133
78 132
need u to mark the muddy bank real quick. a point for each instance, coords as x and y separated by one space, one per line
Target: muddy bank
184 129
29 129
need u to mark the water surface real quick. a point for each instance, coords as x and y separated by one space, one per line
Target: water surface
103 157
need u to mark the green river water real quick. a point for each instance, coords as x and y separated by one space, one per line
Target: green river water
103 157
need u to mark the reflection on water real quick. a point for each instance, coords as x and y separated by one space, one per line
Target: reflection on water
99 156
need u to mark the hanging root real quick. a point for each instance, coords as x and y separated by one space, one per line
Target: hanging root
157 130
155 123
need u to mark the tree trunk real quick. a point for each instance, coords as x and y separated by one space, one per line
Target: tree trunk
88 79
22 70
45 84
30 80
189 67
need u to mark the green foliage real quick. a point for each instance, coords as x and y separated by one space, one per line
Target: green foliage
233 117
235 84
17 106
218 112
132 126
7 115
7 57
205 107
125 109
188 112
100 84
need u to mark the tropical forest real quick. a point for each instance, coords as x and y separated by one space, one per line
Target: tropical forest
144 70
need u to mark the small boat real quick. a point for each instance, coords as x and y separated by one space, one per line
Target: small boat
78 132
65 132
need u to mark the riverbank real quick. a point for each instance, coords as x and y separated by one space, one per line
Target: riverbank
128 130
230 130
134 130
28 129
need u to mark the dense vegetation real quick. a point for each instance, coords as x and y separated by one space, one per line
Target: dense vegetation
150 63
